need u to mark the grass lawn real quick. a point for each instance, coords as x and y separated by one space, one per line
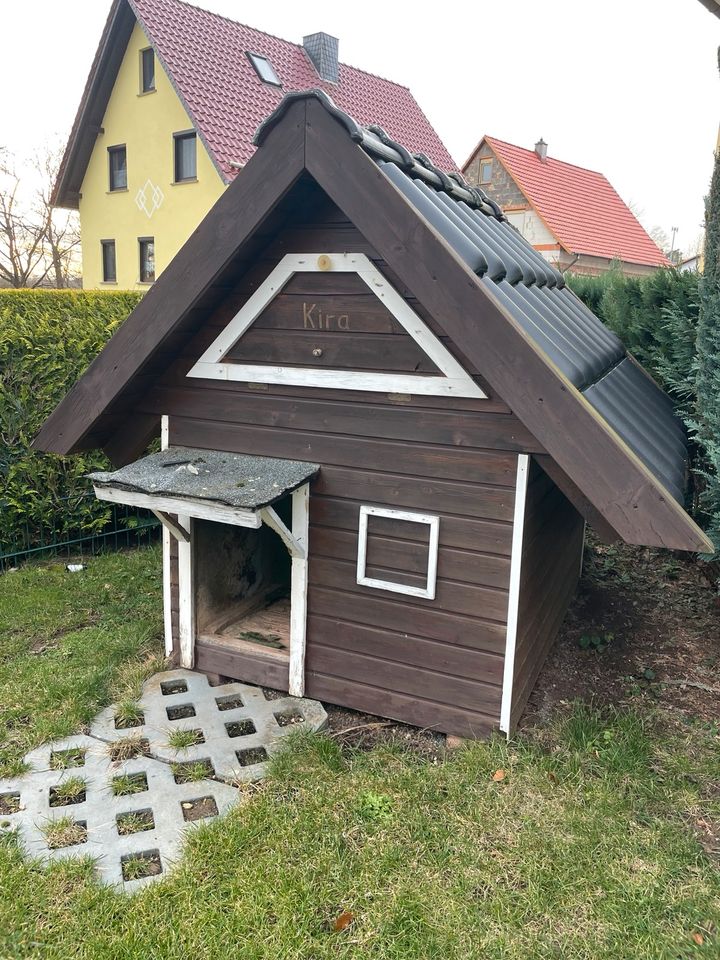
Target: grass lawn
579 839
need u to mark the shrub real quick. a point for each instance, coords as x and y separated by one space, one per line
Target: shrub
47 340
708 361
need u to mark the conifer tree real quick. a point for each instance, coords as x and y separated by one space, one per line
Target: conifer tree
708 359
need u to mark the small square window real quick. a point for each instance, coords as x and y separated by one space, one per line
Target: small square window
428 591
109 266
147 259
117 160
264 69
185 156
147 70
486 171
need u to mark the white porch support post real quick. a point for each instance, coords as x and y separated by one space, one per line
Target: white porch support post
298 590
186 589
167 578
514 592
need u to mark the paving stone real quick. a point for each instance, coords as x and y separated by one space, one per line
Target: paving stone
237 740
100 808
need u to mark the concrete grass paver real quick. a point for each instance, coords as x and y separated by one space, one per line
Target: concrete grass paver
240 728
131 815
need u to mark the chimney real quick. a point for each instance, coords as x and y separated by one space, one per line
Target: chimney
541 149
323 51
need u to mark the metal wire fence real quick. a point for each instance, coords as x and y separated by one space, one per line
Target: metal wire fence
125 527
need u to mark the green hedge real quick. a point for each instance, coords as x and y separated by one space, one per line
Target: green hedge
47 340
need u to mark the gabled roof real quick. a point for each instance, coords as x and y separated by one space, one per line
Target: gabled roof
579 206
610 438
206 58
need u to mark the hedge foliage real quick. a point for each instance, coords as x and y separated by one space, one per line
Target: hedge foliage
47 339
708 360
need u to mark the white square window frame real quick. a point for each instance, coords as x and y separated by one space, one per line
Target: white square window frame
428 591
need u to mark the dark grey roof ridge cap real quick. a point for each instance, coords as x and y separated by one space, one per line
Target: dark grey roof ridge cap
385 138
375 141
352 127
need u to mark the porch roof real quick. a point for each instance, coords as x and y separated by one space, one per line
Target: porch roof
214 476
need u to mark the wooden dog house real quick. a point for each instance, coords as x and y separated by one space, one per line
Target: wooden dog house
385 421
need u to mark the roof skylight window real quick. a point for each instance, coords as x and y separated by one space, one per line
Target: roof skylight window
264 69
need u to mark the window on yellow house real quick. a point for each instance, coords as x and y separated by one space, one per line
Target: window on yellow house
485 171
117 162
185 156
147 70
109 265
147 259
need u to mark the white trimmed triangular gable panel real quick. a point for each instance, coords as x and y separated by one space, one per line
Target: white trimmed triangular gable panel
453 380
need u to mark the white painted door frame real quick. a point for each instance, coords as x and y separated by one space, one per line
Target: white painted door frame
521 484
295 539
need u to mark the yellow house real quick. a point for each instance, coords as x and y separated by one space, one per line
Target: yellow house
170 108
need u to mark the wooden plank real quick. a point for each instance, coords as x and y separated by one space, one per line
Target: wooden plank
605 530
378 352
427 461
482 430
245 666
594 457
466 599
406 556
299 590
405 648
441 718
480 536
186 592
389 614
414 681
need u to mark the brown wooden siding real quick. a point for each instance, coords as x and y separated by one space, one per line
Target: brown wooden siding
436 663
551 555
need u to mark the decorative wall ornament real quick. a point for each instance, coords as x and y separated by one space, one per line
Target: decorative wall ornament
451 379
149 198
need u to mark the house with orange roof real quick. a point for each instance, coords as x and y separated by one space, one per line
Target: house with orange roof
166 121
573 216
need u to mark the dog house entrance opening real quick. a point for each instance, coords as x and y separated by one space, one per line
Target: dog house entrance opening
242 585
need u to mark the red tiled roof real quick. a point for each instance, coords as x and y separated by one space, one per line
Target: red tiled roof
579 206
206 57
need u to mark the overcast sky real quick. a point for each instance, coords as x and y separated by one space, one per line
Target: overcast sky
628 87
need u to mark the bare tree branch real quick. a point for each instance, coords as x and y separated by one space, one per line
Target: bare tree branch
37 244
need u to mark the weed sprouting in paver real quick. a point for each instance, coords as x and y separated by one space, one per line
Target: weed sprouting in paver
139 865
9 803
128 713
66 759
64 832
128 784
193 770
136 821
68 791
240 728
184 739
128 748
